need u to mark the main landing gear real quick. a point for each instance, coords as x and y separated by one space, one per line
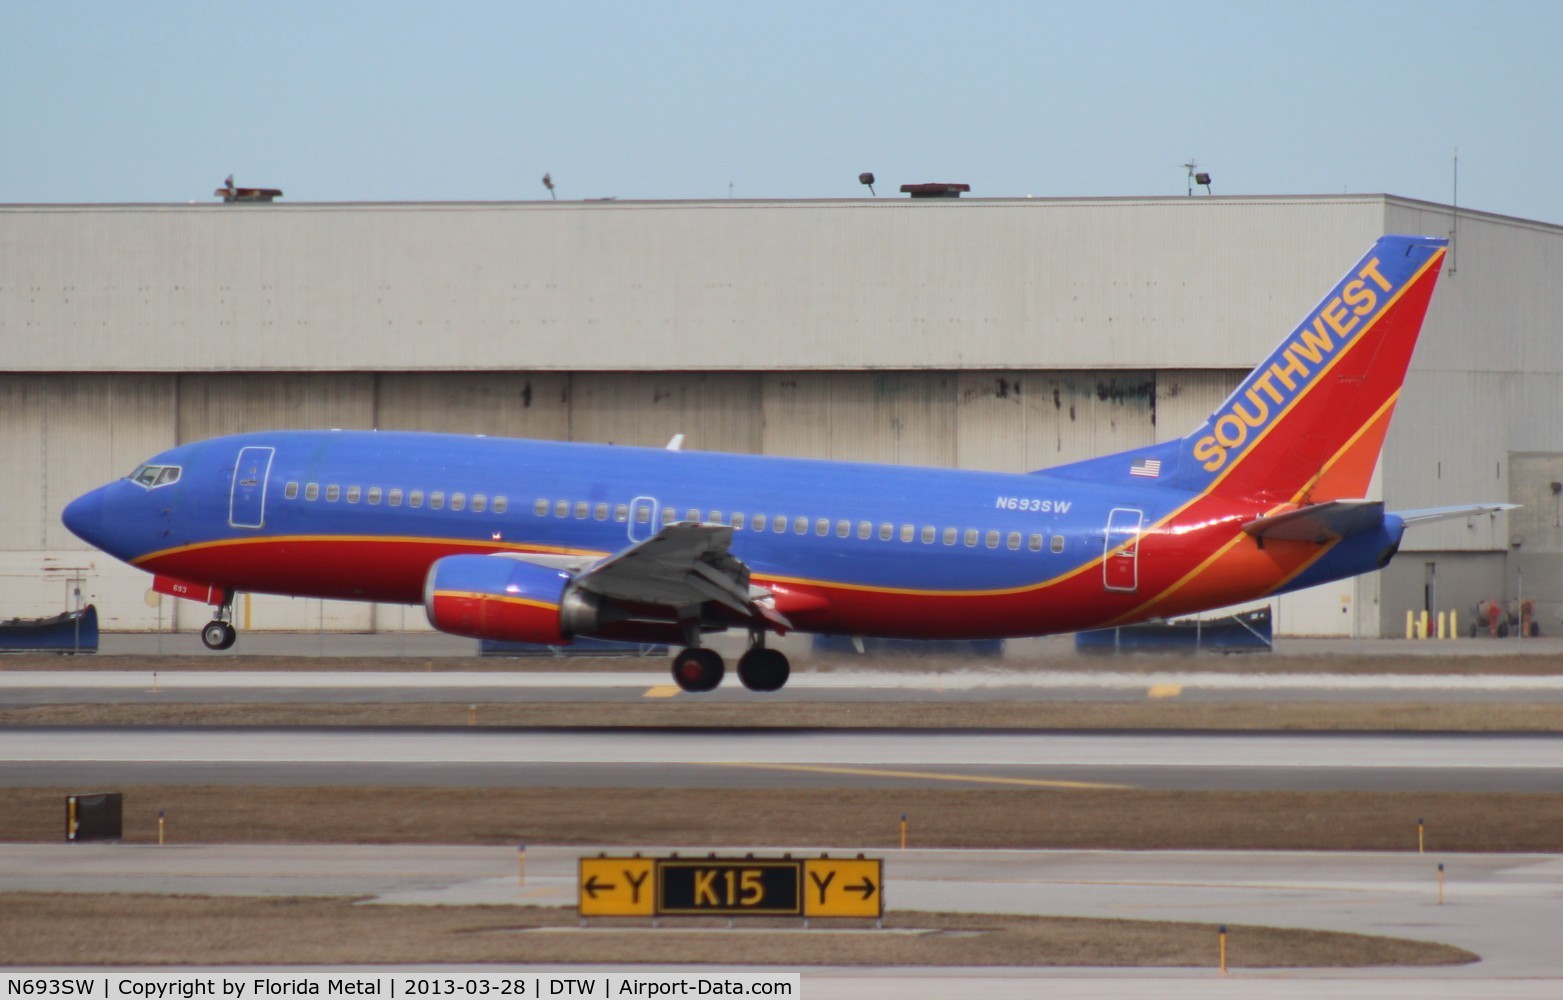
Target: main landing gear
697 669
219 633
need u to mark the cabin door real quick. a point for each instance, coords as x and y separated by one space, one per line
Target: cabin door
1121 554
247 502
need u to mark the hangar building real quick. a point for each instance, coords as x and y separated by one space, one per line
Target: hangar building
1006 334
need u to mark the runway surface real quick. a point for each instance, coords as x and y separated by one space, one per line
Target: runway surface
1503 907
784 758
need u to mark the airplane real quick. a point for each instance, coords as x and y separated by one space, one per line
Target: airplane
546 541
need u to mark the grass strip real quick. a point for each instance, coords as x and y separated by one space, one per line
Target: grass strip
858 819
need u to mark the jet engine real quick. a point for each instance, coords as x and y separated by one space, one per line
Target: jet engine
496 597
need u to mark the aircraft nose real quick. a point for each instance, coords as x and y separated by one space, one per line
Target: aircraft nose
84 516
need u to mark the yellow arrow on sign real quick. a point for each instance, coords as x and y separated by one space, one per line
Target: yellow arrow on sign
615 887
843 887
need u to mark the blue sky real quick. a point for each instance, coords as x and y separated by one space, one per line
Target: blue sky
340 101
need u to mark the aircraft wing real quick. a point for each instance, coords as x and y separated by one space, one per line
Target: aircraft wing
1320 522
1427 515
681 567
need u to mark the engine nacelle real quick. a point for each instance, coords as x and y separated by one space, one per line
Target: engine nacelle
494 597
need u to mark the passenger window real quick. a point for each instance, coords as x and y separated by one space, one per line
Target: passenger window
374 495
715 517
582 509
540 508
970 538
561 508
333 493
1036 543
865 530
479 503
437 500
800 526
600 512
949 536
886 532
992 539
843 529
928 534
1012 542
353 493
291 491
692 516
822 526
642 515
738 522
458 501
312 491
415 498
621 512
1058 543
501 505
908 532
779 524
669 515
394 497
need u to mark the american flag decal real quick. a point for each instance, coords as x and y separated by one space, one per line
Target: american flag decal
1148 467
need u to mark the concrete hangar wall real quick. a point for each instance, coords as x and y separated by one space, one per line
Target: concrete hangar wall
983 333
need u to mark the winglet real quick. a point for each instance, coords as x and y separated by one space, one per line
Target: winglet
676 443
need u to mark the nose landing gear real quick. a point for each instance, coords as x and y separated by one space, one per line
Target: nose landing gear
219 633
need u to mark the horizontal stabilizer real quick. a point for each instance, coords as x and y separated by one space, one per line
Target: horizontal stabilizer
1320 522
1428 515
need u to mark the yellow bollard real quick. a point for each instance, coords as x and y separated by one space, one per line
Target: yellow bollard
1223 949
1419 835
160 828
1423 629
1454 624
1440 883
903 831
1441 622
521 857
1410 625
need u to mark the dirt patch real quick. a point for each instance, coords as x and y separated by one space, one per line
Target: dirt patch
853 818
82 930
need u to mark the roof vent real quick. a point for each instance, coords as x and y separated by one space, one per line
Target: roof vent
231 194
934 190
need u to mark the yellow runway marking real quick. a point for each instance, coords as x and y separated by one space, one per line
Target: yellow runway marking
1164 691
982 779
662 691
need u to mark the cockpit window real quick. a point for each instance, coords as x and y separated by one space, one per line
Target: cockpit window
153 476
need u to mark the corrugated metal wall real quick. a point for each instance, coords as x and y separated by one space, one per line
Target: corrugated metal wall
720 286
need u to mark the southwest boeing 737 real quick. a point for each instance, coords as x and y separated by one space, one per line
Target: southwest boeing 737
542 541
